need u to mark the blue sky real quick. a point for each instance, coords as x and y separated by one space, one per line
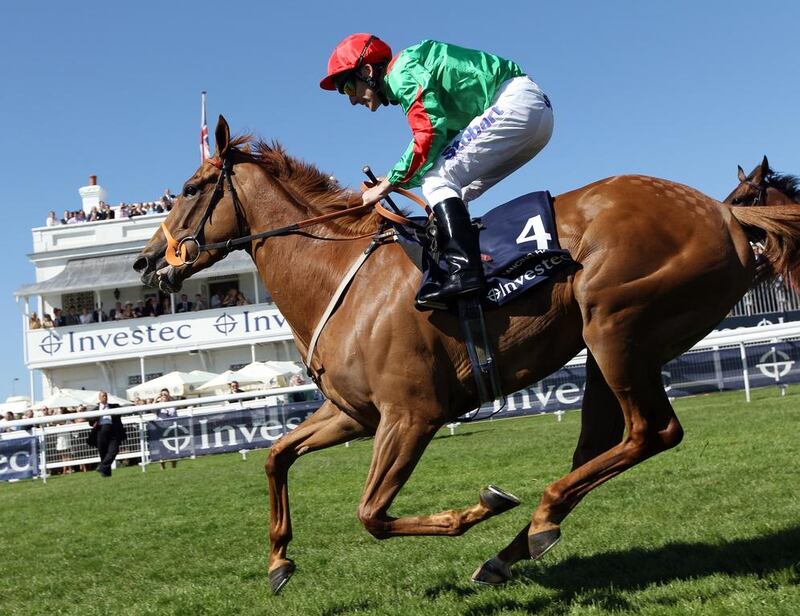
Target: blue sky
684 90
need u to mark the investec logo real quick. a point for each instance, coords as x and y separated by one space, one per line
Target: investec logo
503 289
227 324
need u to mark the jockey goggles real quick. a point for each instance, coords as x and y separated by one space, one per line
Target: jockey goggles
346 84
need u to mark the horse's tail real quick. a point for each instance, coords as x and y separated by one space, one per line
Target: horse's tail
778 228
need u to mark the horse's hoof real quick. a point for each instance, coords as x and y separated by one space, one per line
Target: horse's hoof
497 500
493 572
541 543
281 575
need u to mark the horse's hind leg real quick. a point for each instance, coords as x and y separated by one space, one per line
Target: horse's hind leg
602 420
328 426
399 444
651 427
602 427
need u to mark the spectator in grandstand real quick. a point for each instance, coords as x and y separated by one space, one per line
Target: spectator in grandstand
299 396
64 442
72 316
47 321
166 306
67 216
234 387
199 304
241 300
139 309
128 312
8 416
51 220
58 317
184 305
116 312
230 297
166 413
137 400
107 434
152 308
215 301
86 317
34 322
122 211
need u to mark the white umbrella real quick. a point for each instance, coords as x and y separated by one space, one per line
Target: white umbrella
58 399
177 383
264 373
76 397
287 368
90 396
221 382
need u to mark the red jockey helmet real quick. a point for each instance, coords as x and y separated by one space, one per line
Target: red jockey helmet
351 53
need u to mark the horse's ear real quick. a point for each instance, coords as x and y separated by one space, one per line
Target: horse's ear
742 176
764 167
222 136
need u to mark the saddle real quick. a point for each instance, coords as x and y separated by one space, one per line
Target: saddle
519 248
519 251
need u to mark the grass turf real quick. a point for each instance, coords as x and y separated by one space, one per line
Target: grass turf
710 527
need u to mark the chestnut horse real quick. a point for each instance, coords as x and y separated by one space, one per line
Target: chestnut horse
765 187
660 264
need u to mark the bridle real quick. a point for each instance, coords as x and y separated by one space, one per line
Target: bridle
177 252
761 190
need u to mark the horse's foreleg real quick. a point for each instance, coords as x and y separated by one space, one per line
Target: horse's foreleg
399 444
602 427
328 426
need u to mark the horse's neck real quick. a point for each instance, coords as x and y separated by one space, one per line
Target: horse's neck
302 273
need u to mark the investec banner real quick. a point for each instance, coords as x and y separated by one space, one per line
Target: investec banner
690 374
19 458
206 329
252 428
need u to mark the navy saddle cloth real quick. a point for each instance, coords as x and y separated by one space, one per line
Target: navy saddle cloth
519 246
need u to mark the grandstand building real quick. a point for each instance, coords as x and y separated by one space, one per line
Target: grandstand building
86 269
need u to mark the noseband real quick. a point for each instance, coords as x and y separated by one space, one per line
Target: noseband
177 252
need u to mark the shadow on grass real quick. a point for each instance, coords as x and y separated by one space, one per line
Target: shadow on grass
602 579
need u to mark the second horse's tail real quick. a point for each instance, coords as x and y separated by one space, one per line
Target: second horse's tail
778 228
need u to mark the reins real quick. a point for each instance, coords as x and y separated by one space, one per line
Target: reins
178 252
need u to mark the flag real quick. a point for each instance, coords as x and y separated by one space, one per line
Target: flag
205 148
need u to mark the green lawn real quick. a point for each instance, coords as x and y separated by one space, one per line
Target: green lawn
711 527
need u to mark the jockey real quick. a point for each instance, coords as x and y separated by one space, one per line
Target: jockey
475 118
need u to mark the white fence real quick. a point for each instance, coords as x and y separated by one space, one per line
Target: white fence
65 446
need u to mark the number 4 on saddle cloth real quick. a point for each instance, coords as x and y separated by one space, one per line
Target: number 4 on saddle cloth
519 248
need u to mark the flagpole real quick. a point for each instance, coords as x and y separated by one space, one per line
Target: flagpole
205 152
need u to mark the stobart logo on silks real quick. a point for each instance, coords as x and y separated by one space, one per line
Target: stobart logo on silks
471 132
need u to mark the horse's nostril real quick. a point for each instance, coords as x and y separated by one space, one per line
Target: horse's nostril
141 264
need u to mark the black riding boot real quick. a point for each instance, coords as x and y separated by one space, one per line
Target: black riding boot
458 243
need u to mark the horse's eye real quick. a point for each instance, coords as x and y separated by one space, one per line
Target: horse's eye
190 191
736 201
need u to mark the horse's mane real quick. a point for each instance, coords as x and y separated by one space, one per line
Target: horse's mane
789 185
318 192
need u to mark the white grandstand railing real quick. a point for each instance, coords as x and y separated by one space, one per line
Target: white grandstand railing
73 451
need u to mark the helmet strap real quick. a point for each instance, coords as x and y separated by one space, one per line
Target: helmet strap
374 83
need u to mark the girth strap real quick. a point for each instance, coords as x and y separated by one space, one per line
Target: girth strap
340 290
